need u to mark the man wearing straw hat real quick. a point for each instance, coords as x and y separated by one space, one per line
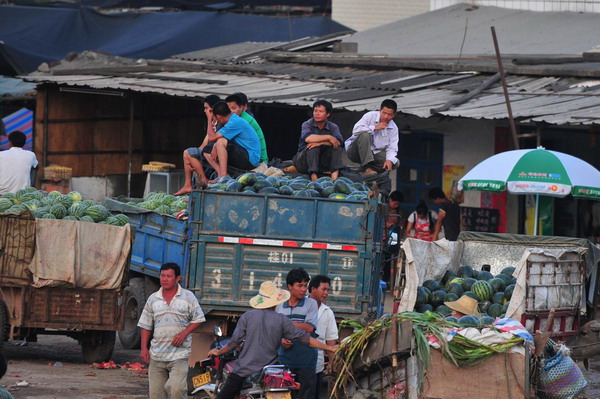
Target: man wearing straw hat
465 305
262 330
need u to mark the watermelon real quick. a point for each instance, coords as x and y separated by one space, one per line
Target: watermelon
509 271
507 279
484 275
97 212
338 196
465 271
342 187
327 191
262 183
299 186
58 210
77 209
452 319
247 179
455 280
168 200
286 190
505 307
69 217
451 297
39 194
509 291
312 193
456 288
468 283
483 290
471 294
17 208
422 296
268 191
469 321
164 209
424 308
32 205
449 275
234 186
443 310
475 273
113 221
498 297
324 179
86 218
497 284
47 216
432 285
495 310
484 306
5 203
123 219
437 298
486 321
315 186
55 194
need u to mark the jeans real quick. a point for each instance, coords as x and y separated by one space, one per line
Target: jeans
168 379
307 379
231 388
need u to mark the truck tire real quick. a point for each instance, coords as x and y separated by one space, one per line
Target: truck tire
4 323
98 346
130 335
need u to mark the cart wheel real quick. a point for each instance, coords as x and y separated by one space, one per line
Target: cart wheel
98 346
130 335
4 323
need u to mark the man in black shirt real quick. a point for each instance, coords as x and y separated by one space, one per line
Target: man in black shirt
448 215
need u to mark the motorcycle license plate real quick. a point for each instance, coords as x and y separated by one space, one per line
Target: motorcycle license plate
279 395
200 379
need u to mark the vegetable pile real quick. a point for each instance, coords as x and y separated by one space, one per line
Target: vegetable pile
461 351
492 292
324 187
54 205
162 203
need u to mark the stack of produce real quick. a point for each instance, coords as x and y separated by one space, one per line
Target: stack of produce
162 203
492 292
54 205
460 350
324 187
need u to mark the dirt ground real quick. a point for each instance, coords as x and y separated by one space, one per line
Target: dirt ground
54 368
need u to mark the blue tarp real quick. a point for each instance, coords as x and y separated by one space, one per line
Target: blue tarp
30 36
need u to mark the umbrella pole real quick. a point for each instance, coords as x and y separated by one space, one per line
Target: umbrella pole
537 207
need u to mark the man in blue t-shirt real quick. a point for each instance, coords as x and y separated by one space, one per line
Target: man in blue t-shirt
304 313
235 144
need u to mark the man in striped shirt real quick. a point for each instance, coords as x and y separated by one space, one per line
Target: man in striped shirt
170 315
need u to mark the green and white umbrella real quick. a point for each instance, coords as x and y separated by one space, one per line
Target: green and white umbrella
534 171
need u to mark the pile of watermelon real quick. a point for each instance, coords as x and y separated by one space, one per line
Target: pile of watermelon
324 187
492 292
55 205
162 203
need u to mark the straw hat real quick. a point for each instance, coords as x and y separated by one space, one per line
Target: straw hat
268 296
465 305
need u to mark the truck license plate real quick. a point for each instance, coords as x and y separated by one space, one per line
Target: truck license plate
279 395
201 379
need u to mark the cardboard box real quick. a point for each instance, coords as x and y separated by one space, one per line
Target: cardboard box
501 376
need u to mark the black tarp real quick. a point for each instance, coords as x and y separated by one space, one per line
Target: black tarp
30 36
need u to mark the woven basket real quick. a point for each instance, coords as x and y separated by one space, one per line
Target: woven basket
57 173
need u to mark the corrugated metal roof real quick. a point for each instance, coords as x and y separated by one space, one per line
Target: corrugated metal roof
556 100
465 29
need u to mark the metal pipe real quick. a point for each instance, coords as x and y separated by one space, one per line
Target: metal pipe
511 120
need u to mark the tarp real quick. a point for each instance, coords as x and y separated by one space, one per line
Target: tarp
21 120
30 36
81 255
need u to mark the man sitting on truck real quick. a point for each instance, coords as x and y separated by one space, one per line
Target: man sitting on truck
170 316
235 144
261 330
304 314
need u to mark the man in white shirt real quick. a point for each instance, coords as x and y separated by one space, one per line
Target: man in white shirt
327 331
16 164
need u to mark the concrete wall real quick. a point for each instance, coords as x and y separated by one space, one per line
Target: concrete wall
360 15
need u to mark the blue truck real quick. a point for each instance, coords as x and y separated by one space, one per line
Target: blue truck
234 241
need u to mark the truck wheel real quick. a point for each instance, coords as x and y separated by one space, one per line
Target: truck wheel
4 323
97 346
130 335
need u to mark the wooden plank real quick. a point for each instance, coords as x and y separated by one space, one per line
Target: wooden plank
501 376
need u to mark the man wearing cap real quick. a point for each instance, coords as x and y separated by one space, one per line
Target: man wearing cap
465 305
262 330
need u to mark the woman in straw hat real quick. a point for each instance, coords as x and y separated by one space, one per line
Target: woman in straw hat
262 330
465 305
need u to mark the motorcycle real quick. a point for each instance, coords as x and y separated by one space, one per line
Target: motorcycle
272 382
